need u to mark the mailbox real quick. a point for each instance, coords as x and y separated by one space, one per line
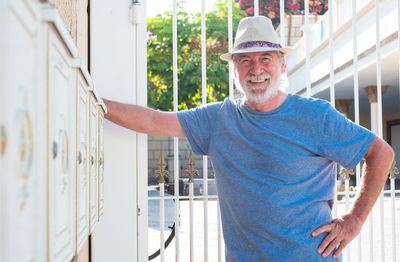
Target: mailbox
94 175
22 179
102 110
61 113
84 85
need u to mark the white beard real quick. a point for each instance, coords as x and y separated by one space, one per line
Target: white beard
260 98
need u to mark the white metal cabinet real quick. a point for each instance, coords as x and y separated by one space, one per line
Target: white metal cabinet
20 126
61 86
94 186
84 84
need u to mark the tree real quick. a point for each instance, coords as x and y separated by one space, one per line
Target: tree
160 63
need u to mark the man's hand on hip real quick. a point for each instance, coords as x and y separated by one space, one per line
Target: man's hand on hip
340 233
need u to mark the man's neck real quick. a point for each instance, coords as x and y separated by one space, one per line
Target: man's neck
271 104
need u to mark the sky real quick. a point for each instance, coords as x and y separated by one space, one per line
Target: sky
155 7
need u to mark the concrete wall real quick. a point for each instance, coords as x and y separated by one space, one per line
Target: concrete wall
293 27
75 17
67 10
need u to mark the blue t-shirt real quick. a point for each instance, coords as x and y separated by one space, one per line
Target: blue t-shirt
275 172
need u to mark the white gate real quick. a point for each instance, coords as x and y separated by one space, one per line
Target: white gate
349 56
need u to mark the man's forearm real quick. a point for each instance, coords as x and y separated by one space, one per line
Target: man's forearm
144 119
376 169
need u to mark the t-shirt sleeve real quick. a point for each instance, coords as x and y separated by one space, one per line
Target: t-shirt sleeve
197 125
343 141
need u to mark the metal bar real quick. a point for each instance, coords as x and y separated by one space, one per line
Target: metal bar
378 68
176 195
204 101
282 21
215 197
356 100
380 126
256 8
175 54
211 197
335 204
371 238
219 229
203 54
331 58
162 257
398 37
307 47
176 140
205 204
230 46
393 199
359 238
191 224
347 207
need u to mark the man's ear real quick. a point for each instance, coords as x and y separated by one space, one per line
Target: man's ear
283 66
234 70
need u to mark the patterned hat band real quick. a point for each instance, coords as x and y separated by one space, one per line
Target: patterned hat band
250 44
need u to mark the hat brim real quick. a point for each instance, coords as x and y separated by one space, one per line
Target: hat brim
228 56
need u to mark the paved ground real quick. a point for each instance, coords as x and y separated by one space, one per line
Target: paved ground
352 254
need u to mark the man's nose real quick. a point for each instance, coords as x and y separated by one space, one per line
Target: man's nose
256 69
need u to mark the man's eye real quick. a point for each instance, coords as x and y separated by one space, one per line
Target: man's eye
244 60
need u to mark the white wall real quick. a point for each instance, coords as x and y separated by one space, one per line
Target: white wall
116 70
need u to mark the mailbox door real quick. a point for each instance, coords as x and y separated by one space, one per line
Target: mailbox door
101 163
61 176
94 197
19 127
82 162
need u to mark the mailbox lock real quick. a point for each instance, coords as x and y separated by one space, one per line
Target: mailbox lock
54 149
92 160
79 157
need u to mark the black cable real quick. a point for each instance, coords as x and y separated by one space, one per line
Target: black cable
166 244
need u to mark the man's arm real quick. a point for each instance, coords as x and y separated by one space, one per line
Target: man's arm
144 119
341 231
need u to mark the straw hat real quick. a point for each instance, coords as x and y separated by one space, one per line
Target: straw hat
255 34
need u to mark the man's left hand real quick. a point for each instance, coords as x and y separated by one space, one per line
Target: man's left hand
340 233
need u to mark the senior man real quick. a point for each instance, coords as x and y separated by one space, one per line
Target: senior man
274 156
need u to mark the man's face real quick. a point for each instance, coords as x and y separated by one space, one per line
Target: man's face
259 74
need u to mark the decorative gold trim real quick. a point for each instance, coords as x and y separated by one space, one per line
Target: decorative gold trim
64 158
346 173
3 140
191 172
161 172
393 171
25 154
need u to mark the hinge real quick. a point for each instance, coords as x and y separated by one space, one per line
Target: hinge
138 211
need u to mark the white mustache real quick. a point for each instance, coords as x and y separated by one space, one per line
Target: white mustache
259 78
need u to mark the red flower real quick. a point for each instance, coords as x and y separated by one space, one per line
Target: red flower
241 4
250 11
